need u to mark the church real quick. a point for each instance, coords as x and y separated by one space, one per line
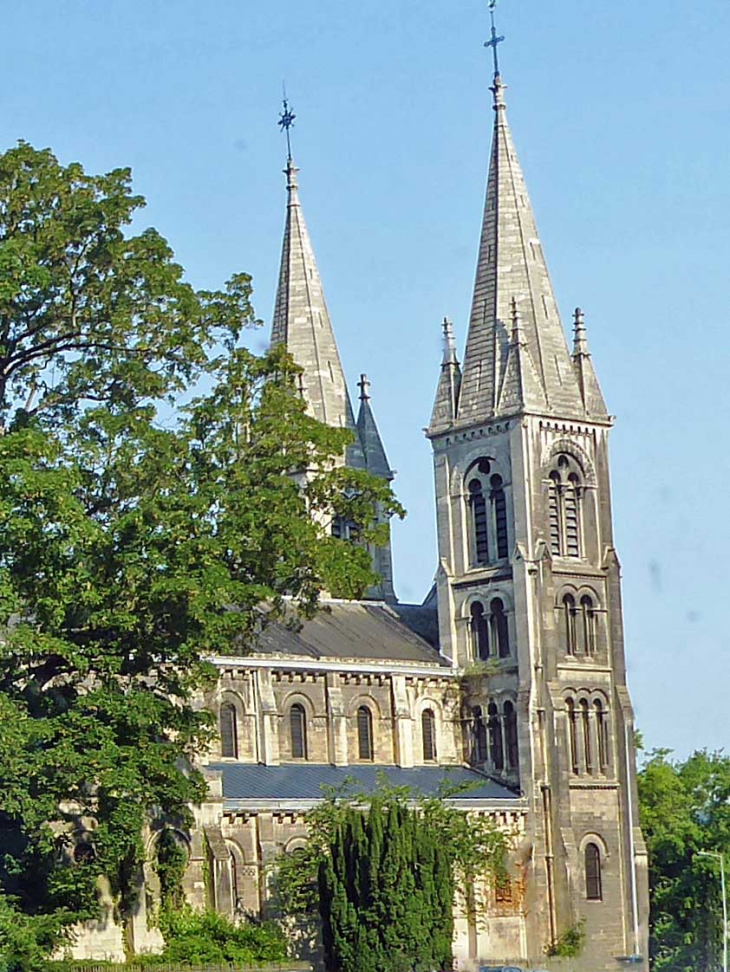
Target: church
510 676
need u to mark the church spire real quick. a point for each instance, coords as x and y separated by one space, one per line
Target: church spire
372 443
302 321
590 390
446 402
511 265
520 387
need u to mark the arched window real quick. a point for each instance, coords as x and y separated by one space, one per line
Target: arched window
586 720
229 731
602 732
572 516
344 529
365 733
496 746
84 853
428 733
594 883
236 885
588 625
565 498
572 735
499 508
480 527
569 613
500 628
556 532
172 854
479 632
298 731
510 731
480 736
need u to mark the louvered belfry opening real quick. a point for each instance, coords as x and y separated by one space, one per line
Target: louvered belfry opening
499 505
480 524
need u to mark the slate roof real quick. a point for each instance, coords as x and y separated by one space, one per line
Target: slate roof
423 619
304 782
353 630
511 265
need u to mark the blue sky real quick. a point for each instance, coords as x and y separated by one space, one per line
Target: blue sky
621 115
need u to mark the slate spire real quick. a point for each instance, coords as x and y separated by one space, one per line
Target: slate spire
376 459
590 390
511 265
302 322
376 462
520 387
446 402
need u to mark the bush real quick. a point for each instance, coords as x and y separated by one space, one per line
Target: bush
570 944
26 940
207 938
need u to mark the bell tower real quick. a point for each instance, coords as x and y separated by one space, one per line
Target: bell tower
302 323
528 583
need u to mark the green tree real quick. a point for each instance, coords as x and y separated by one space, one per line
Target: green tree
132 551
381 869
389 923
685 809
89 312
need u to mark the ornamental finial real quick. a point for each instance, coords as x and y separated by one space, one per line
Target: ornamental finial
495 40
518 336
580 340
449 343
286 122
364 386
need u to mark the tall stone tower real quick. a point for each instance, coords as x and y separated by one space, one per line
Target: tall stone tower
302 322
529 591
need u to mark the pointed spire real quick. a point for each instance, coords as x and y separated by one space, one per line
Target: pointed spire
446 402
520 388
375 457
376 462
302 322
590 390
511 265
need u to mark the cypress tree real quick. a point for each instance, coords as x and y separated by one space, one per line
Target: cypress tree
386 892
326 896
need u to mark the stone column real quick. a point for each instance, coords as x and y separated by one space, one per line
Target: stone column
580 740
402 722
268 719
337 731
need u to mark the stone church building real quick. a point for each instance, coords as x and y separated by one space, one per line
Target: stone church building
511 675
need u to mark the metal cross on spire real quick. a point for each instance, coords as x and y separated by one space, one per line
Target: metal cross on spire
495 40
286 121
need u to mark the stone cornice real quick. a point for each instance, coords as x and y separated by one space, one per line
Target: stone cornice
384 667
517 806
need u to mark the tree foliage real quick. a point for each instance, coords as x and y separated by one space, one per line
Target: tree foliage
685 810
89 312
131 549
207 938
380 870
